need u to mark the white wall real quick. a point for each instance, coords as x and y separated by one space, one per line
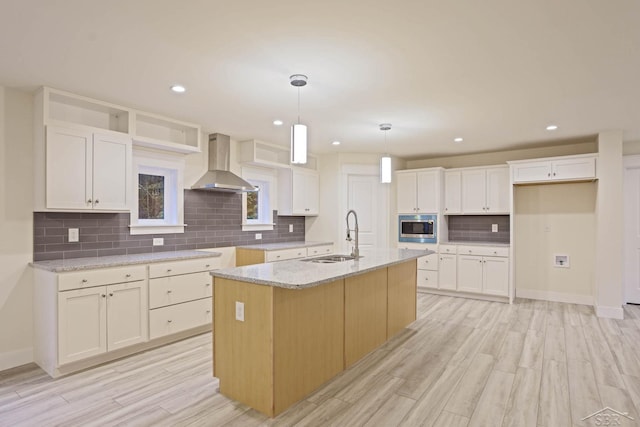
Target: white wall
555 219
16 227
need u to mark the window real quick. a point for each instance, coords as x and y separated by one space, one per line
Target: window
257 209
158 207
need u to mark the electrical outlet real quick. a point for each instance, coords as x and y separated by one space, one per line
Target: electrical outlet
290 228
240 311
494 228
158 241
74 235
258 236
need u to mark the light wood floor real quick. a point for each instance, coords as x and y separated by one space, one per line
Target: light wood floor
462 363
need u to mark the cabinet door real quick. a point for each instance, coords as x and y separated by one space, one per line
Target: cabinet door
111 172
127 316
495 276
498 189
406 185
532 171
305 193
473 191
452 193
68 168
577 168
82 324
428 192
447 272
469 273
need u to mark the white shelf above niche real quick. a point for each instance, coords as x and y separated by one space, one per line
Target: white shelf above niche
153 131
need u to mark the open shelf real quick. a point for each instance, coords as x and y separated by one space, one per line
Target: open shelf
159 132
67 108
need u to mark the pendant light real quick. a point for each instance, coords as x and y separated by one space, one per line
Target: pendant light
385 160
298 130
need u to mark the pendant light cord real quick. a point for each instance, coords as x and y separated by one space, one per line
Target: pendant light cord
298 104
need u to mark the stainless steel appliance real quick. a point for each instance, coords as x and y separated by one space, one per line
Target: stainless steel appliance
418 228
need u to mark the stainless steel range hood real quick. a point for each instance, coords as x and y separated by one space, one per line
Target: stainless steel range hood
219 178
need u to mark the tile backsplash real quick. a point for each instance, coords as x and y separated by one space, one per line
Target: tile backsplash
214 219
477 228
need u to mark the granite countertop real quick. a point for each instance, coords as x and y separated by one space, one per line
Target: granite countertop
298 274
285 245
77 264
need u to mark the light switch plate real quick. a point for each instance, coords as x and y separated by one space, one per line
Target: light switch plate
258 236
290 228
494 228
158 241
74 235
240 311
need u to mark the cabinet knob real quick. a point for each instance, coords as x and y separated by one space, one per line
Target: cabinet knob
103 296
168 270
89 201
97 201
110 294
446 209
207 265
495 252
469 250
169 321
548 174
127 275
84 281
169 291
208 311
207 284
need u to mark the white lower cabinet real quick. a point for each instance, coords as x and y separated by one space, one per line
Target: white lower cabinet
180 296
447 276
469 273
95 320
483 269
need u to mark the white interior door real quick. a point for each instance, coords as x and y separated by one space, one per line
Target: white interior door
632 229
369 199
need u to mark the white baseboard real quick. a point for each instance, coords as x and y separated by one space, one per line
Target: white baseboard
16 358
610 312
555 296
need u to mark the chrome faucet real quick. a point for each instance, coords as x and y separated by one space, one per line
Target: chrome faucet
356 251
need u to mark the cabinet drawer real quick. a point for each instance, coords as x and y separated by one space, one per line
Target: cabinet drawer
427 279
428 262
447 249
501 251
180 317
284 254
173 268
320 250
176 289
100 277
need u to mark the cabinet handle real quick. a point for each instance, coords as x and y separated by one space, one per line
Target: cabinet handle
169 270
169 321
207 284
446 209
103 296
85 281
554 174
169 291
207 265
549 174
111 294
89 201
127 275
208 311
97 201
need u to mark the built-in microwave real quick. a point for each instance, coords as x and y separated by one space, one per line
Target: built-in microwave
418 228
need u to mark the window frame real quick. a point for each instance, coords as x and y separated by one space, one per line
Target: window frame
266 204
172 168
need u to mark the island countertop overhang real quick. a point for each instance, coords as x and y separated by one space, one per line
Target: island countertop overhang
300 274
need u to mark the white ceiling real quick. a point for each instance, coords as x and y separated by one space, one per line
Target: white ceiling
495 72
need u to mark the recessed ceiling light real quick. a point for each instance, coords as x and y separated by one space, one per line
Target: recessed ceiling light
458 139
278 122
335 143
552 127
178 89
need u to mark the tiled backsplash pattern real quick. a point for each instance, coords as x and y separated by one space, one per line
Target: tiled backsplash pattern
214 219
477 228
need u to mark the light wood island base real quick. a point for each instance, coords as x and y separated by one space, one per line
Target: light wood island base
294 340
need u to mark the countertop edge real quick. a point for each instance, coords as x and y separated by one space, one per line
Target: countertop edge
285 245
104 262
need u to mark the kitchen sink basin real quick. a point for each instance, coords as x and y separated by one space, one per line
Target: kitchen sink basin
331 259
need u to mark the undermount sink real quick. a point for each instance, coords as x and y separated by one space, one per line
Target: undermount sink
331 259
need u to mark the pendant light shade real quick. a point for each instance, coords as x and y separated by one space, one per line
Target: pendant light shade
298 144
385 160
298 130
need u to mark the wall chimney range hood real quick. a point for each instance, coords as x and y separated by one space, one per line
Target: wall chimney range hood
219 178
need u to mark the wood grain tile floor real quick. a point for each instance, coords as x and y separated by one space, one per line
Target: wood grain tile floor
462 363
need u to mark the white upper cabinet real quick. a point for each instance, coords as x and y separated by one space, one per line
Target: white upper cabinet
87 171
567 168
298 192
418 191
452 192
485 191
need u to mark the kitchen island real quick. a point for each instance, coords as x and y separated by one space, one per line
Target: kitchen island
282 329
